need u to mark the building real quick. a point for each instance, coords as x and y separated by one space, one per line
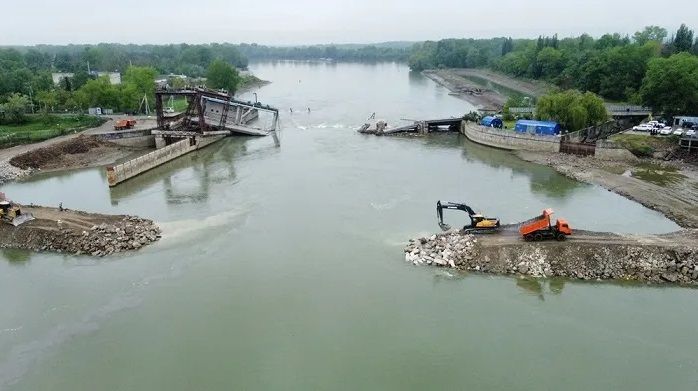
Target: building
680 120
114 77
492 122
544 128
59 76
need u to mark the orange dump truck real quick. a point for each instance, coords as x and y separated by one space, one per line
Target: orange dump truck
541 228
124 124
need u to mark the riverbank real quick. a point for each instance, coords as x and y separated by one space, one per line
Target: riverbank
661 186
78 150
485 89
250 82
670 258
76 232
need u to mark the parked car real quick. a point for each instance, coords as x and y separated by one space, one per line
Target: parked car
643 128
678 132
665 131
690 133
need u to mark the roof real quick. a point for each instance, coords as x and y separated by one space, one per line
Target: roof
529 122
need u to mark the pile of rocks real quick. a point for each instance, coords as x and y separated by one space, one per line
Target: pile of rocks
131 233
451 249
584 261
8 172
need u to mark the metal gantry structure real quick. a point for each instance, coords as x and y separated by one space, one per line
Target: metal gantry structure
209 110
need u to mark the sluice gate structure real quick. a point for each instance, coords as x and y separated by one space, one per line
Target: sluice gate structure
209 117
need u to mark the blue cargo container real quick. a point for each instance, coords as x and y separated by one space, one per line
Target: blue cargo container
545 128
493 122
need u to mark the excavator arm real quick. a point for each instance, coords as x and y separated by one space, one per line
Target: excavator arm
477 222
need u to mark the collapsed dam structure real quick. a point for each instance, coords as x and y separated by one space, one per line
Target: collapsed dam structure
210 116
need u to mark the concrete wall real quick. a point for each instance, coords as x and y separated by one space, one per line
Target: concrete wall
131 168
139 138
507 139
606 150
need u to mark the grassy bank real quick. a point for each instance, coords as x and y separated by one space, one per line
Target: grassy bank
43 127
642 145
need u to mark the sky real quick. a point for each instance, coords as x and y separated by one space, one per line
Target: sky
298 22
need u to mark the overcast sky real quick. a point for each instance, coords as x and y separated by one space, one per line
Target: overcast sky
286 22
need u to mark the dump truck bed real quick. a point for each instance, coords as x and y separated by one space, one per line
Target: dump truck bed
536 224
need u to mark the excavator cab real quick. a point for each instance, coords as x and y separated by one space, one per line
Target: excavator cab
478 222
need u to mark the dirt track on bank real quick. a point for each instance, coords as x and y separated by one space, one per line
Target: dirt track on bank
480 87
97 155
81 151
677 200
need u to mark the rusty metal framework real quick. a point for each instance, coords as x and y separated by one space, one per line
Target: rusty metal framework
195 118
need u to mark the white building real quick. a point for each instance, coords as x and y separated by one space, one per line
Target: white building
114 77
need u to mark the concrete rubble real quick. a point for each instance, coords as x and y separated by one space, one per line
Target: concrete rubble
129 233
9 173
585 261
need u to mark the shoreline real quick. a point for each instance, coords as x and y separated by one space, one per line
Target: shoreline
485 89
81 151
456 89
677 201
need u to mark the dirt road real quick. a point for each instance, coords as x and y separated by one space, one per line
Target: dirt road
485 89
678 239
105 155
670 258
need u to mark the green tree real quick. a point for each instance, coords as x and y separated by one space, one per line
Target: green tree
221 75
143 78
683 41
79 79
671 85
572 109
47 99
551 62
650 33
15 109
137 83
97 93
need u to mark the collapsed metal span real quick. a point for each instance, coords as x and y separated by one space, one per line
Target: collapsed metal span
212 112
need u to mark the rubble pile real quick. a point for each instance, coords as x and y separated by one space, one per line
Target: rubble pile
451 249
129 233
585 261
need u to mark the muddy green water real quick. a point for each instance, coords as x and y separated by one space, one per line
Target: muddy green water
282 268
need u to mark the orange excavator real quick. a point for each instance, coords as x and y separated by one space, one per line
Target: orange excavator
540 228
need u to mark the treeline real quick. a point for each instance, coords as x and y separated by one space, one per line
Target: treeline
191 60
612 66
380 52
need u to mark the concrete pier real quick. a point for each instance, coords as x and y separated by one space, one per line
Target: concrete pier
131 168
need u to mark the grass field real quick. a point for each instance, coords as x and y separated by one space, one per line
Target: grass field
644 145
42 127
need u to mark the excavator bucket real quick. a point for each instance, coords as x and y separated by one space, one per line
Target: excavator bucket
21 219
440 214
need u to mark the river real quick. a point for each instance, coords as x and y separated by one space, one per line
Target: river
282 267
